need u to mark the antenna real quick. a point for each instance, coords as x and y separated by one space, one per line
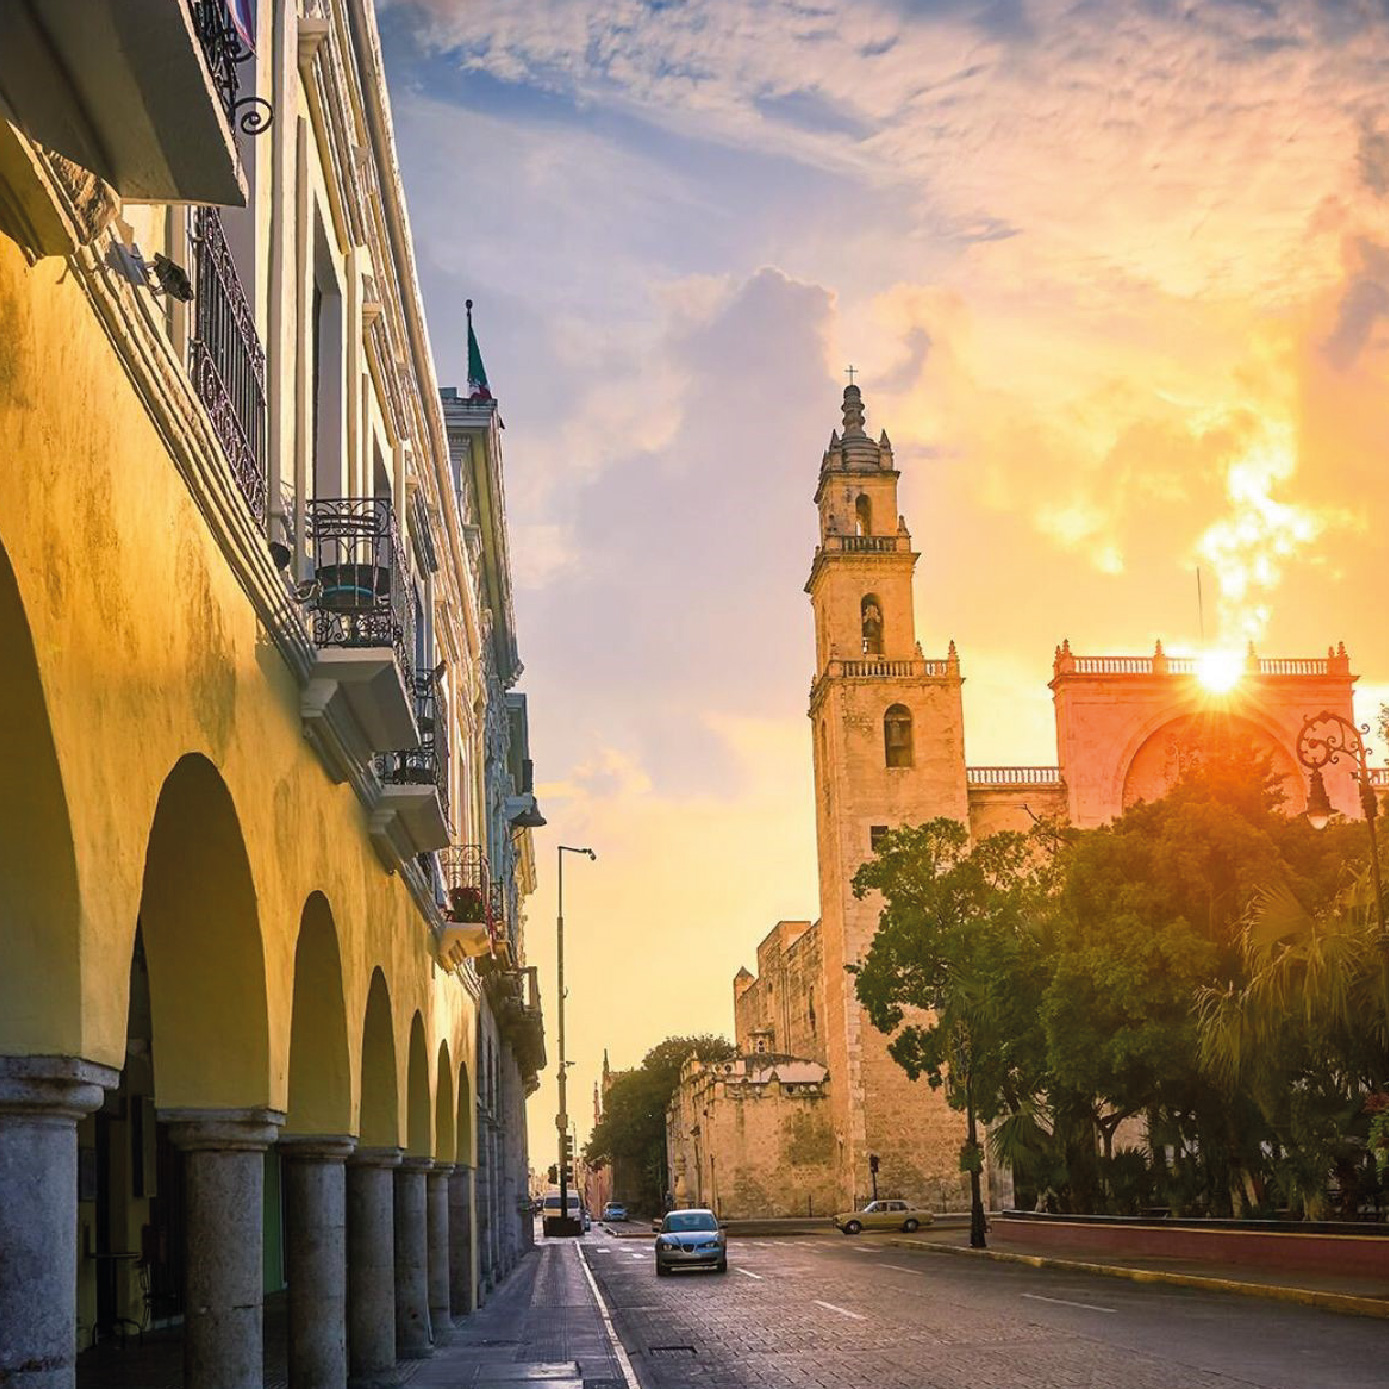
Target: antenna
1200 607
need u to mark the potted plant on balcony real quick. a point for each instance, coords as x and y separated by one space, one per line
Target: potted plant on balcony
465 904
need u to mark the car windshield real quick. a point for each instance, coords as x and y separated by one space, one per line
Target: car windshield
681 1222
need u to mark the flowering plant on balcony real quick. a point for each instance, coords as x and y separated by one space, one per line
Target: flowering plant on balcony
466 904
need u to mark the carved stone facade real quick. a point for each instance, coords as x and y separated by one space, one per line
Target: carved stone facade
888 744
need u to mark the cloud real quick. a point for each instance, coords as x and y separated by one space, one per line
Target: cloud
1114 276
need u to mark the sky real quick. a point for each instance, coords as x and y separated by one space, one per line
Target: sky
1115 278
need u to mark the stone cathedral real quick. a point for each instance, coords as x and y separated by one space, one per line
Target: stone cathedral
788 1128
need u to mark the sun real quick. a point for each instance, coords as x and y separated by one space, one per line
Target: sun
1219 671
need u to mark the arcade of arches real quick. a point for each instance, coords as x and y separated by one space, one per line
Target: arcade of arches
223 1026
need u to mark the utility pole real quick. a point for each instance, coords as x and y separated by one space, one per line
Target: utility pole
563 1225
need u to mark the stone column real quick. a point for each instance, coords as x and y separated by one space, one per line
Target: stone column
371 1267
461 1241
440 1322
41 1100
412 1334
224 1179
316 1258
482 1204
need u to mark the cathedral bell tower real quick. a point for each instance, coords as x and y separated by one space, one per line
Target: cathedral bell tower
888 746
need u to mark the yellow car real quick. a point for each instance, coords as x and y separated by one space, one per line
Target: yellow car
883 1215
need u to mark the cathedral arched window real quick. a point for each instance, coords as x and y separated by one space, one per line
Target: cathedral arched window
897 736
871 624
863 516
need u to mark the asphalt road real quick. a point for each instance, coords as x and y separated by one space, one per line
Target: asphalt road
822 1310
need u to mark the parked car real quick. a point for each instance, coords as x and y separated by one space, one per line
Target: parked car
691 1239
614 1210
883 1215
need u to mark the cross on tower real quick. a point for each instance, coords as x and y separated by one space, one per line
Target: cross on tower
850 372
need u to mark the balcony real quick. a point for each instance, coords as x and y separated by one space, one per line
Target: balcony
361 611
226 360
146 96
468 928
412 814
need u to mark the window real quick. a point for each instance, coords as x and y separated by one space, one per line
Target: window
876 835
863 516
871 623
897 736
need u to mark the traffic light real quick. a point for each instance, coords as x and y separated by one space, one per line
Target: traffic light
554 1174
566 1157
872 1162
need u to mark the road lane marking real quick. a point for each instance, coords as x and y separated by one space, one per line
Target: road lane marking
619 1350
843 1311
748 1273
863 1248
902 1268
1066 1302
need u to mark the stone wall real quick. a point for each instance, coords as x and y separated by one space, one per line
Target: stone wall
753 1138
782 1009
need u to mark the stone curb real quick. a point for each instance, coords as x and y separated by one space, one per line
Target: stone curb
1310 1297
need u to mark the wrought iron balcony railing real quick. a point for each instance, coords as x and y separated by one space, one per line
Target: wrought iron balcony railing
428 764
225 50
363 596
226 359
466 882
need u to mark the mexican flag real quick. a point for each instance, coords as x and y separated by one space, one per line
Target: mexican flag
477 373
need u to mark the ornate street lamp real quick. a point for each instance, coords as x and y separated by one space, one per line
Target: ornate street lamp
1324 740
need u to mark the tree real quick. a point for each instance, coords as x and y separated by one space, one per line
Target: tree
1149 916
1308 1035
631 1135
958 959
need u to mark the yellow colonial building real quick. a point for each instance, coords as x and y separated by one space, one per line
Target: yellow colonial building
265 804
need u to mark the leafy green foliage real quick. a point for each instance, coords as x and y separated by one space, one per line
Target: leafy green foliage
1051 984
631 1135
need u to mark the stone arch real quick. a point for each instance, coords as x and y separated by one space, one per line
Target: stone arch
320 1072
463 1143
863 514
445 1130
418 1141
201 935
1146 772
40 984
379 1115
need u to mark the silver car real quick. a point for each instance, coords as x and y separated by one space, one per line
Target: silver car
691 1239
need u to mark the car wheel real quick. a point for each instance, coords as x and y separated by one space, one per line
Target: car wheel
910 1226
852 1227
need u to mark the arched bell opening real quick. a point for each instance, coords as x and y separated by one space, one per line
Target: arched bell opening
897 736
871 624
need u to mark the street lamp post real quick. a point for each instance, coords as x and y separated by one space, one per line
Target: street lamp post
562 1118
1324 740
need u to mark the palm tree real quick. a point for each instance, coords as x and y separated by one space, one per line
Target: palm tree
1307 1035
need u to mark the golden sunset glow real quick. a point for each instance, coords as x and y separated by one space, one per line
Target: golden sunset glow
1219 671
1115 281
